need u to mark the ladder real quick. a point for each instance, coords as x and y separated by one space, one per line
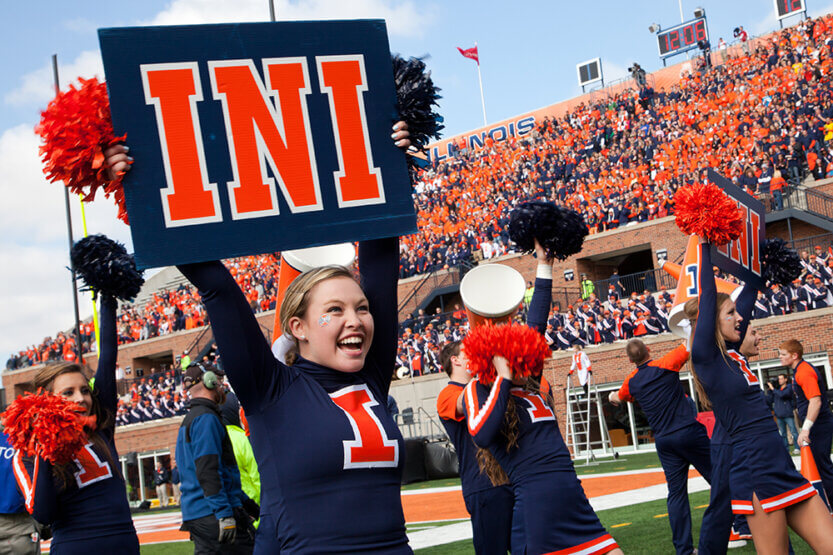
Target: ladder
581 401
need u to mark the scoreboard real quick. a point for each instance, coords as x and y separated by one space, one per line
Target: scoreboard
786 8
684 37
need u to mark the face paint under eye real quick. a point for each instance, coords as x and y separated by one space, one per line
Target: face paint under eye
324 319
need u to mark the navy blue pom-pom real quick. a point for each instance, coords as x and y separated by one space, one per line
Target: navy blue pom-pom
560 231
567 235
781 264
106 268
416 97
522 223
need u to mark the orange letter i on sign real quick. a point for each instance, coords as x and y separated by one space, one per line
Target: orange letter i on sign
173 90
259 132
343 79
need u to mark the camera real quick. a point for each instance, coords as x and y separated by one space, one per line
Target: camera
638 74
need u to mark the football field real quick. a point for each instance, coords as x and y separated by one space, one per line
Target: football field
628 495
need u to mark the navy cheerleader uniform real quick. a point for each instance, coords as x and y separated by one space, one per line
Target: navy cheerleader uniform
490 506
326 446
720 497
556 514
760 464
681 441
812 383
89 514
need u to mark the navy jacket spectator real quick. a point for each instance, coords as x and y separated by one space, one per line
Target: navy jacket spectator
783 401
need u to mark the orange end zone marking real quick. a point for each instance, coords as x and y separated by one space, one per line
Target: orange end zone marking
434 506
449 504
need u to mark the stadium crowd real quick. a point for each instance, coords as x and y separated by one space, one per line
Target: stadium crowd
594 320
149 398
619 160
166 311
761 119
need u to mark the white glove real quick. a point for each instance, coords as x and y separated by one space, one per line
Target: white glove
228 530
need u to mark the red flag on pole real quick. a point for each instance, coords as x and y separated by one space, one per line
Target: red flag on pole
470 53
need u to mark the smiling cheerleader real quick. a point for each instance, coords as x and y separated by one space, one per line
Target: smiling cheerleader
764 483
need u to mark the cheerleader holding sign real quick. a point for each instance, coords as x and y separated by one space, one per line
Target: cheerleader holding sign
320 429
764 484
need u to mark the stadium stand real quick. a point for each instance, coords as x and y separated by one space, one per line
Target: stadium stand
765 120
165 312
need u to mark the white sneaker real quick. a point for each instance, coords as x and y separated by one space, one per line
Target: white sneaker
734 544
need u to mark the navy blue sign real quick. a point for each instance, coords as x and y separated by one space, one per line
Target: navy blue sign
742 257
256 137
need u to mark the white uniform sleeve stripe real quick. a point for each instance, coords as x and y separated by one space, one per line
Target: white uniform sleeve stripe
24 481
477 416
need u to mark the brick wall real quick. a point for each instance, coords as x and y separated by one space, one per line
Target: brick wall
799 229
157 435
822 185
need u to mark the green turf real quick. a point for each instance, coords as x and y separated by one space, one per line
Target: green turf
443 483
645 531
626 461
173 548
464 547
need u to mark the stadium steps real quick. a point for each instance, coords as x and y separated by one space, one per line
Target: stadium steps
168 278
433 284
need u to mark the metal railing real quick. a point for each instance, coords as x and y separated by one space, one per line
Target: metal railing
652 280
809 243
562 297
418 423
800 198
192 348
629 82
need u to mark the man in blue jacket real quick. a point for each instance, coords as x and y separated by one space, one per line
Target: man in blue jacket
212 500
17 529
782 400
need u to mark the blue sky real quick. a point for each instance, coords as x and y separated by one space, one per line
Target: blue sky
528 52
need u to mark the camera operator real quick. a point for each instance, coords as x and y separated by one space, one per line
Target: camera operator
638 75
706 48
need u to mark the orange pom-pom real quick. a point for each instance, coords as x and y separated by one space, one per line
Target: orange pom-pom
76 129
522 346
47 426
706 211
